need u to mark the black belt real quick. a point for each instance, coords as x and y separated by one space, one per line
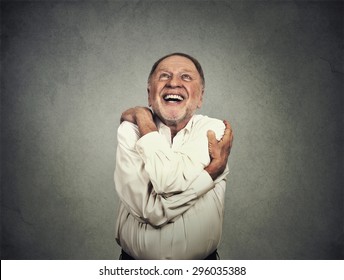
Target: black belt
125 256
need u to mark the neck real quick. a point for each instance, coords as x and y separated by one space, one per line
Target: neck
175 126
174 131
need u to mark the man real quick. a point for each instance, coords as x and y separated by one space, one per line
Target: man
171 168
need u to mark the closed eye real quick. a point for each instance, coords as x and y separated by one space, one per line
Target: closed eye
186 77
164 76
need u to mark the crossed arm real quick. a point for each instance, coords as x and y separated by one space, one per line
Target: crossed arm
137 187
218 150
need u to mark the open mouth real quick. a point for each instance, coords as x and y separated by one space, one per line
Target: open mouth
173 98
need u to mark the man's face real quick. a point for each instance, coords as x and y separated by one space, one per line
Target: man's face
175 90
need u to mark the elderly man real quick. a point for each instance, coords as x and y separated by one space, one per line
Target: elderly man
171 168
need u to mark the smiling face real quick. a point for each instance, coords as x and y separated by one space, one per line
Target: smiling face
175 91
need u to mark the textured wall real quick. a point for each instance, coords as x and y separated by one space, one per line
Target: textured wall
274 69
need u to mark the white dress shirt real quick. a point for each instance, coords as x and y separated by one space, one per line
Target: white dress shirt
170 206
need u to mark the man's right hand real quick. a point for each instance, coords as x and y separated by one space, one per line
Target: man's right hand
219 151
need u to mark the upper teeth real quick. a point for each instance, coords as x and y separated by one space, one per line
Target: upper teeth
174 96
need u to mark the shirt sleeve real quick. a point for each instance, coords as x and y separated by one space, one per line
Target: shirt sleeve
172 171
135 187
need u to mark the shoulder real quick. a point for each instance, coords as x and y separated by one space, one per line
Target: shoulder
205 123
127 134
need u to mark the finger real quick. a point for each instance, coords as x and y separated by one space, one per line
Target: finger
122 119
228 126
127 115
228 131
212 143
211 137
227 138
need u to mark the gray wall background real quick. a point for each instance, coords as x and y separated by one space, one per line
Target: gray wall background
273 69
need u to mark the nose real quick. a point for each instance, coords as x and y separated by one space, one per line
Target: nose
174 81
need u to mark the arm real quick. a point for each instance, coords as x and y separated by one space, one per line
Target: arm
136 192
133 182
172 171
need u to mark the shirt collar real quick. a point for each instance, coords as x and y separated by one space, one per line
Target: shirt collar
162 127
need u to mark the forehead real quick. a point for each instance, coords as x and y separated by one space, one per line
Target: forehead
177 63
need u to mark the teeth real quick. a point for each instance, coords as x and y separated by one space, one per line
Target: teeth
174 97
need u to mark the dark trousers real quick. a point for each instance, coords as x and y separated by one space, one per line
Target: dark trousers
125 256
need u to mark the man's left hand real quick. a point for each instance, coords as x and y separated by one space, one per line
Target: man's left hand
219 151
142 117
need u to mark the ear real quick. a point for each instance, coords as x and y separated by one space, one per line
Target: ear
148 92
200 101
